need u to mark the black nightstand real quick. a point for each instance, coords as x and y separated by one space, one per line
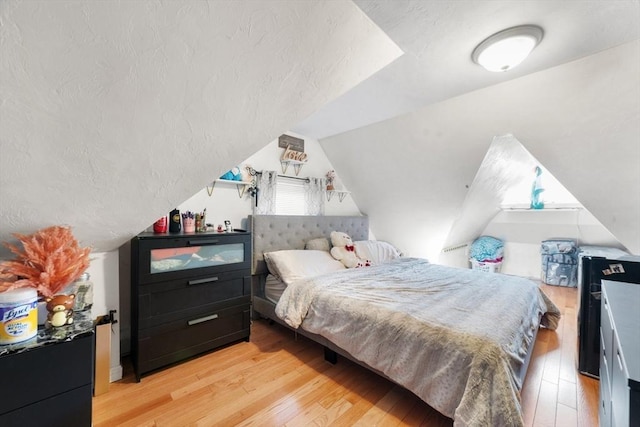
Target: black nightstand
48 385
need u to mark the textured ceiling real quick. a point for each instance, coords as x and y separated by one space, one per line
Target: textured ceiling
581 120
438 38
112 113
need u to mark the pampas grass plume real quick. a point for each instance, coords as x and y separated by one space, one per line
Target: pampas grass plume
50 259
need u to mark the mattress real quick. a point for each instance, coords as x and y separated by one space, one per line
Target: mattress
457 338
273 288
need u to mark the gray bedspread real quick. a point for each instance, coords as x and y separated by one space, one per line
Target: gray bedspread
456 338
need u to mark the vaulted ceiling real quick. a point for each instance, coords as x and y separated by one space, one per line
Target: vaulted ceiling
438 38
112 113
581 120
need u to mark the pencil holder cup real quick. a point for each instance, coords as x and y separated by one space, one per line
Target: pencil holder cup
189 225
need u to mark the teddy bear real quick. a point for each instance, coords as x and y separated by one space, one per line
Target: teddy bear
344 251
60 310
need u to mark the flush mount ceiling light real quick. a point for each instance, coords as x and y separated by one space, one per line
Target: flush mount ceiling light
507 48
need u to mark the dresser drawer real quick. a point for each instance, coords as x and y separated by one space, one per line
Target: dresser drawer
605 387
167 257
174 341
167 301
606 328
44 372
619 389
72 408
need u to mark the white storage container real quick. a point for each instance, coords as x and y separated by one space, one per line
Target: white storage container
18 315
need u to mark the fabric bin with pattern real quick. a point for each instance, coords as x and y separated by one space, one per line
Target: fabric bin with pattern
560 262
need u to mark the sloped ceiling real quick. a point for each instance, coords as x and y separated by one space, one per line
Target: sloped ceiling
505 165
505 178
112 113
438 38
581 120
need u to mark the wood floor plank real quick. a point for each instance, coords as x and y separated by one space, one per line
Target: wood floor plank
547 404
568 361
363 401
587 401
398 412
567 393
551 371
310 393
332 413
566 416
381 408
278 380
533 380
234 412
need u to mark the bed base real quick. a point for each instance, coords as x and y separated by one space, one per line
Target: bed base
265 309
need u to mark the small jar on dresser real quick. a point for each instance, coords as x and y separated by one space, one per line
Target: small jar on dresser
190 293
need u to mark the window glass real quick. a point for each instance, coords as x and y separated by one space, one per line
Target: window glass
184 258
290 197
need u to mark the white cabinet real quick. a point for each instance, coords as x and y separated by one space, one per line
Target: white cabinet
619 350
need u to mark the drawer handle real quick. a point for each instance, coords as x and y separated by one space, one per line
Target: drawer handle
202 319
619 359
201 242
201 281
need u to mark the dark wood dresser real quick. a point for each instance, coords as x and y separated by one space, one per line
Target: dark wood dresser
190 293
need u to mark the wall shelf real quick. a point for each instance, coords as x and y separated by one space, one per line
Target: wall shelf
341 194
240 185
548 207
297 165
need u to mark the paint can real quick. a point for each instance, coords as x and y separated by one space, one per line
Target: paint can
18 315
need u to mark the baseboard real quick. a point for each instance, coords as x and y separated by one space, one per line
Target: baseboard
115 373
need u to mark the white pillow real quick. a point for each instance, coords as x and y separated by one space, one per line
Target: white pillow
289 265
376 251
320 244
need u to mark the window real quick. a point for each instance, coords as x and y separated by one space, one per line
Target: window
281 195
290 196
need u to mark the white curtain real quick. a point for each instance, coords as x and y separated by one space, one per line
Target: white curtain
314 196
266 185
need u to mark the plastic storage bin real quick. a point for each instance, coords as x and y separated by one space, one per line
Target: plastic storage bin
486 266
560 262
486 254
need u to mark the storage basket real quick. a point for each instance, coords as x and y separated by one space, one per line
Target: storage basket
487 267
560 262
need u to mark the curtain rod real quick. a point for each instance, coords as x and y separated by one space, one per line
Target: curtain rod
255 172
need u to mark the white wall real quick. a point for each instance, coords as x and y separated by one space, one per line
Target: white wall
524 230
504 179
581 120
113 112
224 203
104 273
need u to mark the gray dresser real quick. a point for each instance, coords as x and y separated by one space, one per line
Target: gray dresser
620 355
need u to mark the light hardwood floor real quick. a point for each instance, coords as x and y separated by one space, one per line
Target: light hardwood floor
278 380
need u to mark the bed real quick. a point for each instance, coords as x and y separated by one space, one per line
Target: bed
459 339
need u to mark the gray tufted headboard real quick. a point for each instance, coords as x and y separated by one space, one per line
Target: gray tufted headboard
278 232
